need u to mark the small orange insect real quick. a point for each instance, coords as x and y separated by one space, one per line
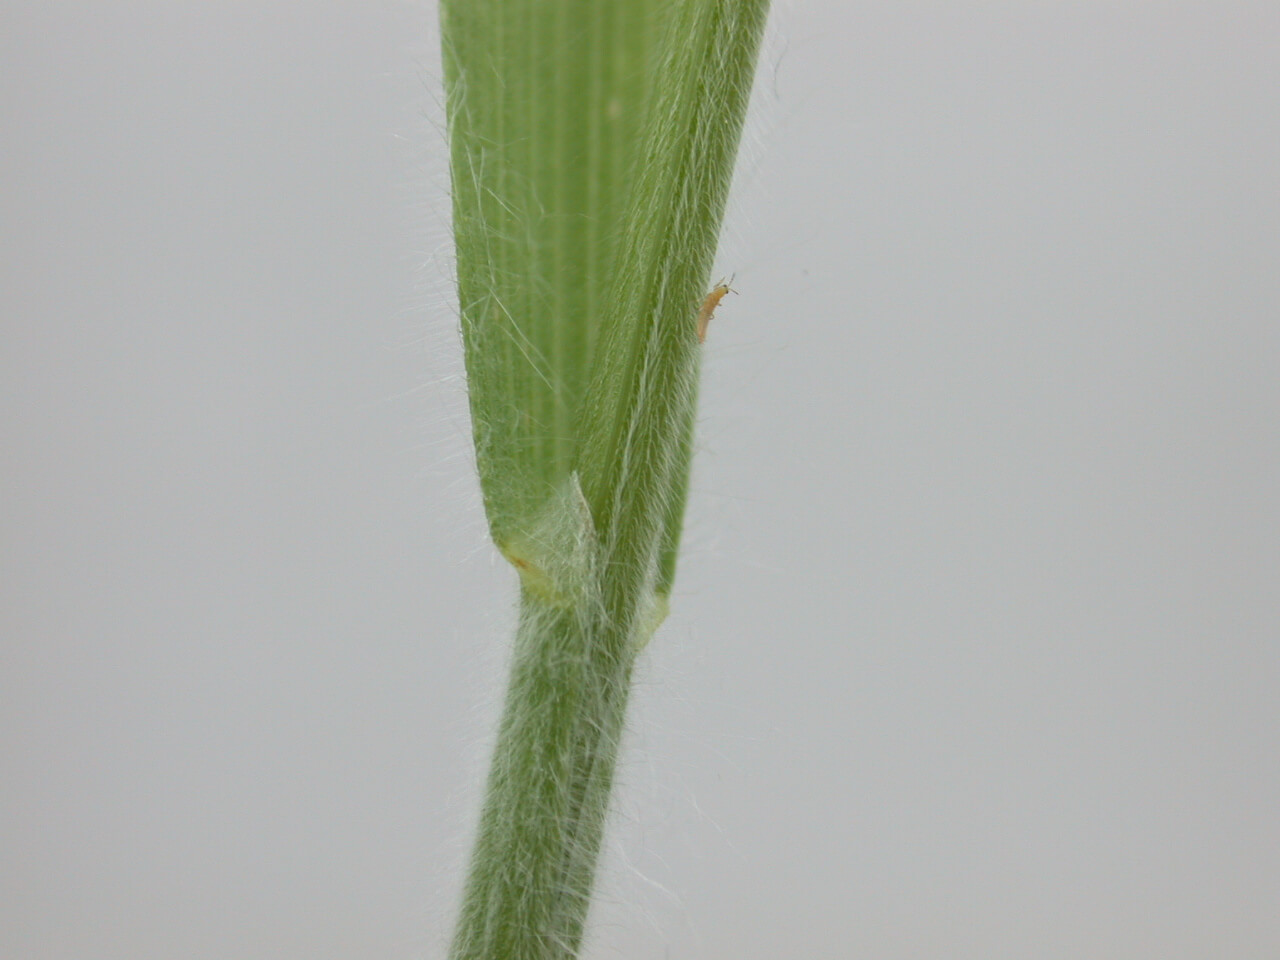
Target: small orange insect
709 304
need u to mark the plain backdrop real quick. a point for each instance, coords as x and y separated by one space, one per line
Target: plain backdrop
974 650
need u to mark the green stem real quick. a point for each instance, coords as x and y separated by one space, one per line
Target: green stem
549 784
592 149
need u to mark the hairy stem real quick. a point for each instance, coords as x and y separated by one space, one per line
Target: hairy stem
549 783
592 149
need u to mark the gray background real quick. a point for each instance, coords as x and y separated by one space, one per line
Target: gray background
974 649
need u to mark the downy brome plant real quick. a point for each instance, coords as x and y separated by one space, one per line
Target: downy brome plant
592 146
